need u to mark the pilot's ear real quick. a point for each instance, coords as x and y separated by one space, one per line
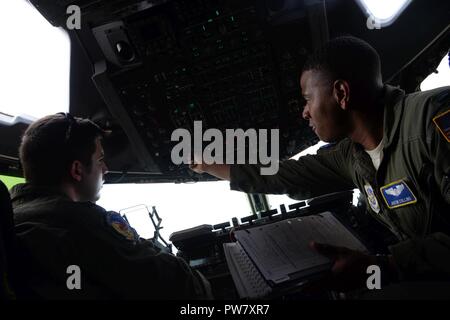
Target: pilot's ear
341 93
76 170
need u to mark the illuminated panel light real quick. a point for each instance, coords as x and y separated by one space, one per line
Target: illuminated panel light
34 63
385 12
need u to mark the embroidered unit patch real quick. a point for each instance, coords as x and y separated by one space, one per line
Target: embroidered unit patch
119 224
371 198
442 122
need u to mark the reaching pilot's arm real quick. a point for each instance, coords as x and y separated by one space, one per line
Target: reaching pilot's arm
221 171
302 179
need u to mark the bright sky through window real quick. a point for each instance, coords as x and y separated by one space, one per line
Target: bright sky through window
180 206
439 79
34 62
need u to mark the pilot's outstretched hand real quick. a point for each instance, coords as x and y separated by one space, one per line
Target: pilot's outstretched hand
197 167
221 171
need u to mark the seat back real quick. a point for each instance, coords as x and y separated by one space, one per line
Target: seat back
7 245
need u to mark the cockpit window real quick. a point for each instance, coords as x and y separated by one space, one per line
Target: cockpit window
440 78
181 206
34 62
11 181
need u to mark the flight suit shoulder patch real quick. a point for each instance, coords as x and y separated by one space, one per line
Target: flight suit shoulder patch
442 122
121 226
397 194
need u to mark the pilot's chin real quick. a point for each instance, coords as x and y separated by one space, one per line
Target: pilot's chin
326 140
329 139
322 138
96 198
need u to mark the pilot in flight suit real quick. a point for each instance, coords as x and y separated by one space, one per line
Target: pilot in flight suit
409 193
115 263
74 249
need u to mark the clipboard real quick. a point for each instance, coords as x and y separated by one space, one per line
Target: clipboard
280 252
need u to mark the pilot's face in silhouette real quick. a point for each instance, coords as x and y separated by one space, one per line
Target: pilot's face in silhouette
322 110
93 176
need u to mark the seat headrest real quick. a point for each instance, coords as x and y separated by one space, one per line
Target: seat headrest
6 212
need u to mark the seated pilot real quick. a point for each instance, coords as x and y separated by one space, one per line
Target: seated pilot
63 230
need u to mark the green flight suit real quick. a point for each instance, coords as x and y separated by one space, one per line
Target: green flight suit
416 157
115 263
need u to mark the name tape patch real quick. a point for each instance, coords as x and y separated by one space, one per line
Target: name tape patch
397 194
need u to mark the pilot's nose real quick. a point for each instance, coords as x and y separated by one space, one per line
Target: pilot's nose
104 169
305 114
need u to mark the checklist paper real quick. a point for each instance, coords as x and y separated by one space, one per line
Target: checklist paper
281 250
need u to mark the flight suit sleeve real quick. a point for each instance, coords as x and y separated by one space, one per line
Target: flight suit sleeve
438 138
310 176
135 269
430 255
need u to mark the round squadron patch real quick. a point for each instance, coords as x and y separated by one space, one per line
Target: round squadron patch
119 224
371 198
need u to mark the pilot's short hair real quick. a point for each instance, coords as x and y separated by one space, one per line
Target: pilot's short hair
51 144
348 58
